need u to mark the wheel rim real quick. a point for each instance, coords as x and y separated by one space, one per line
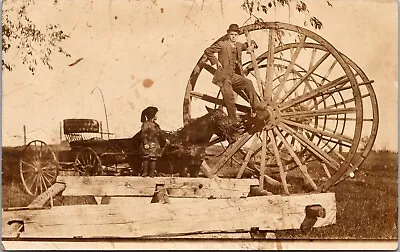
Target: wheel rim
38 167
87 163
332 106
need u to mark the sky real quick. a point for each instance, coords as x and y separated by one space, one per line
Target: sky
126 43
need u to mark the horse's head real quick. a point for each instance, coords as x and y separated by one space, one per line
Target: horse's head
221 121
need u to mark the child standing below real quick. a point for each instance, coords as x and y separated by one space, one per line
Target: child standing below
152 140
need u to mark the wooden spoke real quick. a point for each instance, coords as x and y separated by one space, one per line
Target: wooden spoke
326 170
309 72
290 67
263 157
52 176
41 150
44 184
311 146
302 167
40 183
46 179
345 102
254 64
248 156
30 179
313 54
217 101
318 112
232 149
34 183
52 167
282 173
318 131
348 119
270 65
338 90
328 73
28 164
315 92
338 142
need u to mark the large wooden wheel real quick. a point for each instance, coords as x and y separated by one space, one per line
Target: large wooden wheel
320 113
37 167
88 163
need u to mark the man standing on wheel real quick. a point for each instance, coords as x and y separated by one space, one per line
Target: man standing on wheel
229 74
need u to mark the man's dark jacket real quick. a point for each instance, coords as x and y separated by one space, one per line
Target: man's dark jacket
224 50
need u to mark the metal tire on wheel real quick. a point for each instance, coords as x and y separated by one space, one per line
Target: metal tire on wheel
38 167
87 163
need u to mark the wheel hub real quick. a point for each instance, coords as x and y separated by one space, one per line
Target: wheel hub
267 114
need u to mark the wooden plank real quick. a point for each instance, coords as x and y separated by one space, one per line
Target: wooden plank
47 195
179 217
139 186
189 244
205 168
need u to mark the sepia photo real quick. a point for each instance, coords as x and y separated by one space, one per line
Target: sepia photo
199 124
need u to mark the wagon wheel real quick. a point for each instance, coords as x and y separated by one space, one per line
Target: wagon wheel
87 163
313 110
38 167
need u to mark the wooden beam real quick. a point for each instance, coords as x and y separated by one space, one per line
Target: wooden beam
206 169
145 187
181 216
40 200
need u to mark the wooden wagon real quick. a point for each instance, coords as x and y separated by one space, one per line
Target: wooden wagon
88 154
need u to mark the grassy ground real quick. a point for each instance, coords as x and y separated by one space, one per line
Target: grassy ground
366 205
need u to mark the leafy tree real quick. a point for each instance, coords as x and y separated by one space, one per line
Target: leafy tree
21 37
265 6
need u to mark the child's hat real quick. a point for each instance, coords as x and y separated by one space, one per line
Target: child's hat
148 113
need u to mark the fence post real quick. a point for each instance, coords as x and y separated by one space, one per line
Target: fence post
24 127
60 132
101 130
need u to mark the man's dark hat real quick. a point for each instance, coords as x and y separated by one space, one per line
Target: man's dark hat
233 27
148 113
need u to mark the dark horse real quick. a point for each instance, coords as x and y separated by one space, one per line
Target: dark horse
186 150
